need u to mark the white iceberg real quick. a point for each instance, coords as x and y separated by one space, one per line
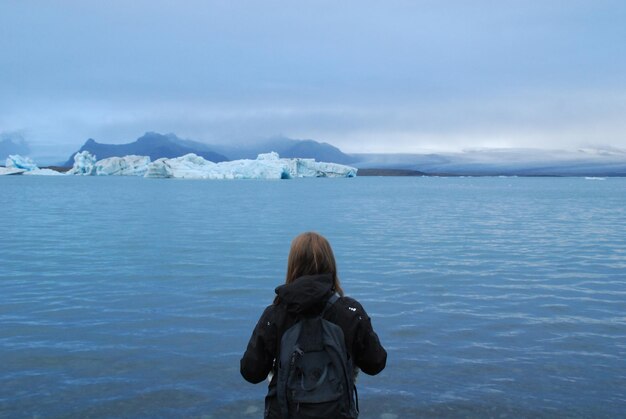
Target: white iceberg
310 168
251 169
10 171
123 166
268 156
295 168
266 166
16 161
84 164
18 165
191 166
299 168
42 172
188 166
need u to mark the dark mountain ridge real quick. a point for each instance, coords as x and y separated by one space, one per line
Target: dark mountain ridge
285 147
151 144
157 145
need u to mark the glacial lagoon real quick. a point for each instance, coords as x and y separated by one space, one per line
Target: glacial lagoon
131 297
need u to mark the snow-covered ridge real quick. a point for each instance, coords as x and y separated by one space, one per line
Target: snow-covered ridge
191 166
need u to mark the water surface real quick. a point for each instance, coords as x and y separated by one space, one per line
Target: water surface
131 297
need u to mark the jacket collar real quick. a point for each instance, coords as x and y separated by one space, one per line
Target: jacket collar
306 294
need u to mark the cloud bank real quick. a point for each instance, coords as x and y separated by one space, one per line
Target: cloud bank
402 76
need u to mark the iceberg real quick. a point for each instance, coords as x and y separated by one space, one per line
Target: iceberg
261 168
192 166
10 171
84 164
16 161
42 172
310 168
18 165
297 168
123 166
189 166
266 166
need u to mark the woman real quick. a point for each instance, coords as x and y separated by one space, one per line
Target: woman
310 282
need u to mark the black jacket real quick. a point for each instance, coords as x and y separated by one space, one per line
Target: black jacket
307 296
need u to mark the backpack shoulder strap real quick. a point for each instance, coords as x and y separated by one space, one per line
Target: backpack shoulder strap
329 303
288 342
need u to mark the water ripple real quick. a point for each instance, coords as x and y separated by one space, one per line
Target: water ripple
494 297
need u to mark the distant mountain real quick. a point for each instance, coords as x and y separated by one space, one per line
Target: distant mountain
287 148
606 161
504 162
150 144
318 151
157 145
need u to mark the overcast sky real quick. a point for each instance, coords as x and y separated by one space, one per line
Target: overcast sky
366 76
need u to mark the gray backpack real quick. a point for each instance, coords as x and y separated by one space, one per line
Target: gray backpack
315 376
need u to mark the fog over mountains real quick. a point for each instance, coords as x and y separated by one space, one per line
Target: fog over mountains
506 162
12 143
606 161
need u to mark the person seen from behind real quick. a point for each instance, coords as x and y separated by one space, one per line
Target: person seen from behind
312 340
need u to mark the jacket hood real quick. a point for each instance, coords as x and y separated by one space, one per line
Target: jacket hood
307 294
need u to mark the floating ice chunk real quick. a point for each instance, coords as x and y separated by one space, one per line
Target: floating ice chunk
43 172
15 161
334 170
17 164
311 168
10 171
84 164
268 156
159 169
123 166
192 166
189 166
252 169
266 166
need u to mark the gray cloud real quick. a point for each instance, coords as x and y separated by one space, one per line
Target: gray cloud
398 76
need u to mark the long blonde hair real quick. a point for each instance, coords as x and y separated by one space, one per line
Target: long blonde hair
311 254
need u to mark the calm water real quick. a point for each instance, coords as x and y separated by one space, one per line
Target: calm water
130 297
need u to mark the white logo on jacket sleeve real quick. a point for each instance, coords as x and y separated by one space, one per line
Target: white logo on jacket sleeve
352 308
